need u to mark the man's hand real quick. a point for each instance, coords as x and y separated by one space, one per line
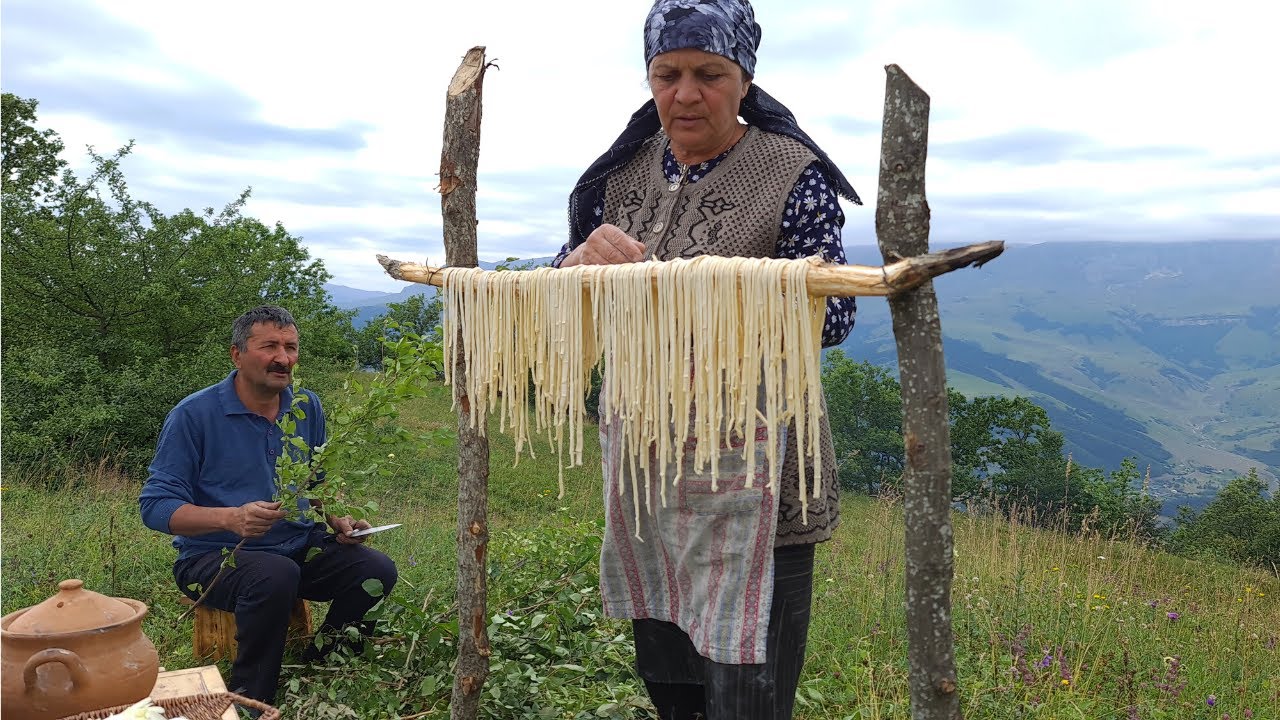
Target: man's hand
254 519
606 245
342 526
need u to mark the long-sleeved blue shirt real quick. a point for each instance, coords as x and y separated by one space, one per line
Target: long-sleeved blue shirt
214 452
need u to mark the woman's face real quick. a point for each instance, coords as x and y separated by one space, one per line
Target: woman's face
698 95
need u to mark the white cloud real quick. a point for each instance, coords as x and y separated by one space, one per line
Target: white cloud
332 110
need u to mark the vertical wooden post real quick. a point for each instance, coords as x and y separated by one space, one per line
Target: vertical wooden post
459 158
902 229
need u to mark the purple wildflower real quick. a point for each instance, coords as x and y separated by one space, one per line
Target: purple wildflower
1172 615
1063 670
1019 649
1211 701
1172 682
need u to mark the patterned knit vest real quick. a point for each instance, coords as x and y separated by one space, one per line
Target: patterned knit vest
735 210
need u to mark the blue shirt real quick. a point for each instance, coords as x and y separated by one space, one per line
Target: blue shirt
215 452
810 226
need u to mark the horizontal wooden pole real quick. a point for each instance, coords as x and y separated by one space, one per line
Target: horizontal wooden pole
822 281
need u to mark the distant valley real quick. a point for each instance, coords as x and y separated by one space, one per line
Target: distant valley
1167 352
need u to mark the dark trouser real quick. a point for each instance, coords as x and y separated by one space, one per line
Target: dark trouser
262 588
686 686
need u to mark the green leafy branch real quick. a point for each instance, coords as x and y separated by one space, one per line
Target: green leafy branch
330 475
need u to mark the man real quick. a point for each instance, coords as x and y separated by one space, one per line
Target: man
212 483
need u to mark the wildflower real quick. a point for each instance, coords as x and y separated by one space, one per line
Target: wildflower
391 456
1056 569
1172 615
1152 603
1063 671
1211 701
1047 660
1248 713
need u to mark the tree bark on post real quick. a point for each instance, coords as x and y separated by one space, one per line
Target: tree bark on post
459 158
902 229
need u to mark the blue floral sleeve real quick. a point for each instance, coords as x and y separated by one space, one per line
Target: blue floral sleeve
811 226
595 196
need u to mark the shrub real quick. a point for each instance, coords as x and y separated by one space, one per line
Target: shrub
554 655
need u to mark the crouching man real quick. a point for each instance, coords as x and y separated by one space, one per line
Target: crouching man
212 483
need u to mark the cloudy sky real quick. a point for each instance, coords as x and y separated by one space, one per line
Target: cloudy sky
1065 120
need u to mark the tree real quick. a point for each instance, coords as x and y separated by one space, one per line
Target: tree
864 404
1117 503
1008 450
115 310
418 315
31 161
1240 524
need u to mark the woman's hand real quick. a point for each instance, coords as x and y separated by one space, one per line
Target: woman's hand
606 245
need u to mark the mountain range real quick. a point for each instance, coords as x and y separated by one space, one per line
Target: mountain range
1165 352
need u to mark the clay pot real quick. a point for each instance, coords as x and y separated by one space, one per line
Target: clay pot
75 652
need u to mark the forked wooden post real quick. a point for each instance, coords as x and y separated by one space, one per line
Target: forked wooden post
459 158
902 229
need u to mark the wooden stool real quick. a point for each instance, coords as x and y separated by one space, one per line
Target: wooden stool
214 633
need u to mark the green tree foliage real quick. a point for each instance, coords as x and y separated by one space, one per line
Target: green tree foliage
1004 452
418 315
1241 524
1005 447
1115 502
114 310
31 161
864 407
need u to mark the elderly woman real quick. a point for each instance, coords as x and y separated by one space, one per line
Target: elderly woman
720 612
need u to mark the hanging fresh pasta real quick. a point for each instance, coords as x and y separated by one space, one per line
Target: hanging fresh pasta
700 348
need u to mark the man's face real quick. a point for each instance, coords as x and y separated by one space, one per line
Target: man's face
267 361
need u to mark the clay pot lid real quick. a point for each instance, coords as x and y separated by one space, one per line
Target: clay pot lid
73 609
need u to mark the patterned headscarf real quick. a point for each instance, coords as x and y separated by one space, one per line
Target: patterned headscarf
721 27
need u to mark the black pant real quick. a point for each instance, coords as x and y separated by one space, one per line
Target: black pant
686 686
261 590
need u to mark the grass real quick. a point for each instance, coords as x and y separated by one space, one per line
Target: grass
1047 625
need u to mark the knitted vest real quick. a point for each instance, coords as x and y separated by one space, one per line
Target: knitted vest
735 210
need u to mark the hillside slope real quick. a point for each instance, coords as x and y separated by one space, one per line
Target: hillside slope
1165 351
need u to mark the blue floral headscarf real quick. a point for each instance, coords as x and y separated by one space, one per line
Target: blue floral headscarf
722 27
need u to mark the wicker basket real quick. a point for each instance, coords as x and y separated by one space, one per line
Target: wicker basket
194 707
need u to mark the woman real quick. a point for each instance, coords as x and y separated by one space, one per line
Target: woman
686 178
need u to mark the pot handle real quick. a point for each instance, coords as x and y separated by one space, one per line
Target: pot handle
70 660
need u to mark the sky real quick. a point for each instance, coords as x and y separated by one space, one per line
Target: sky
1099 120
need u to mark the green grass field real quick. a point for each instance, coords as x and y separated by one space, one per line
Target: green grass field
1046 625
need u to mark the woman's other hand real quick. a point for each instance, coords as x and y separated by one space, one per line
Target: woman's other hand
606 245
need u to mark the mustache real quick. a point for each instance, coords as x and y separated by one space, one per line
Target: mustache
277 367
